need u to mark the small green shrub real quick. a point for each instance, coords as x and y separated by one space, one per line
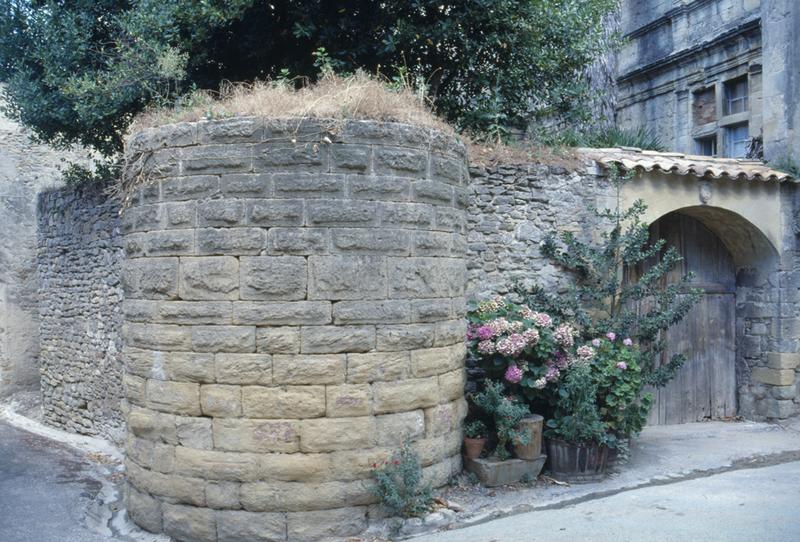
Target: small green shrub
102 171
399 486
640 137
615 368
475 429
506 412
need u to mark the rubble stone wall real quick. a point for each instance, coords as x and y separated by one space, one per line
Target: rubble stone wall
294 313
511 210
79 263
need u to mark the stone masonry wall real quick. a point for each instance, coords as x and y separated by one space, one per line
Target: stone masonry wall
511 209
79 263
25 169
294 312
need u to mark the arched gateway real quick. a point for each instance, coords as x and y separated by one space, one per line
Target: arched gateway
733 221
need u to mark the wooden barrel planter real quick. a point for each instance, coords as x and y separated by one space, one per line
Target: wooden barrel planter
576 463
532 426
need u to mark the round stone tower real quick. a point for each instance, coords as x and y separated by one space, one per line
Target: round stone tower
294 312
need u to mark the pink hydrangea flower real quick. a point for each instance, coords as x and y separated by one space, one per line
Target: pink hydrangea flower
596 343
498 326
622 365
561 361
542 320
486 347
512 345
513 374
484 333
531 336
491 305
585 352
552 374
627 341
611 336
563 335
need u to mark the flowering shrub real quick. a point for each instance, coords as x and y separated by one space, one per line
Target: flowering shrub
622 284
601 397
398 484
616 370
525 349
587 391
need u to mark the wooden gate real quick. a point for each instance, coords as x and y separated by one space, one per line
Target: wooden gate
705 387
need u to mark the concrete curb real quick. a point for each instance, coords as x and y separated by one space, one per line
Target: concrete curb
82 443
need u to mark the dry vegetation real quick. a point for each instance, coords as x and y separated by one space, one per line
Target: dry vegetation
358 96
524 152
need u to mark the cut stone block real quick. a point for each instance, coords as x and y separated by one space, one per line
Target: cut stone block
492 472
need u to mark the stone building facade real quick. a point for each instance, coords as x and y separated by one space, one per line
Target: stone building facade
79 267
511 207
710 76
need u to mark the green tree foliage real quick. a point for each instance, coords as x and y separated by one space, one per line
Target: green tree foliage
621 285
78 71
577 418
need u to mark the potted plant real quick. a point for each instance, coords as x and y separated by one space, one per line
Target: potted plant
506 412
474 438
577 439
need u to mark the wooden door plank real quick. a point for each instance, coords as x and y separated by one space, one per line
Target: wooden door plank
723 366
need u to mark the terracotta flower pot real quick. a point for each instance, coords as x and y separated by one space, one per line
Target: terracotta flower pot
532 426
474 446
576 462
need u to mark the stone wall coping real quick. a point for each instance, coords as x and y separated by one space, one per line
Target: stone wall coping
257 129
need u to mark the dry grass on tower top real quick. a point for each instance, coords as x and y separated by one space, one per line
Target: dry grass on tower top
358 96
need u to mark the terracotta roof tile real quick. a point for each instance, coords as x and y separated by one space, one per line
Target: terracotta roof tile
686 164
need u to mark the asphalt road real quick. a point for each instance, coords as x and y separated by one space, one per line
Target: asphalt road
752 505
45 490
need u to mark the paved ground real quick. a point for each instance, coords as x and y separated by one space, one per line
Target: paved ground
60 487
695 482
45 490
752 504
660 454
